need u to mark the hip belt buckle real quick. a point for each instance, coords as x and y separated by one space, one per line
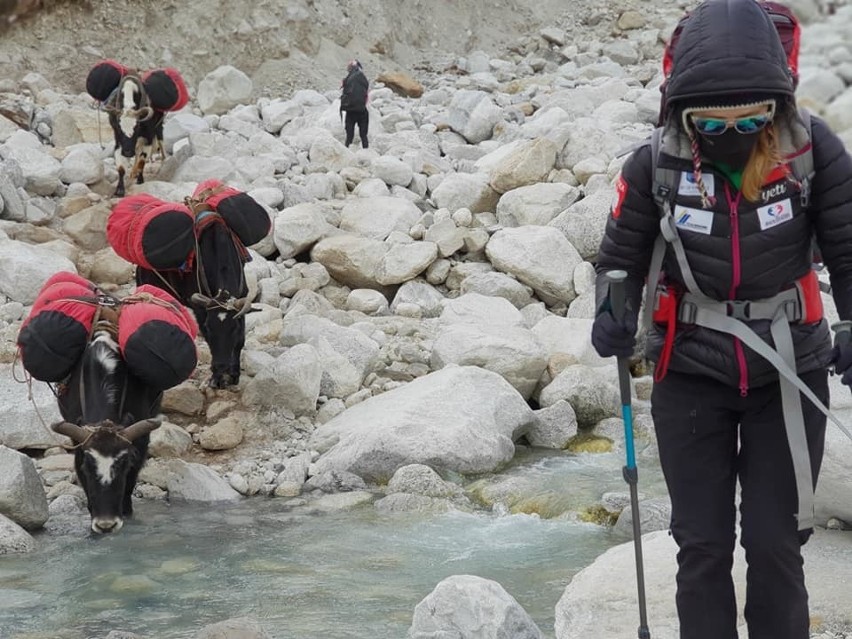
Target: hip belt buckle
738 309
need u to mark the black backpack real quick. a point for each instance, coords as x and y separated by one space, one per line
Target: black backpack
354 96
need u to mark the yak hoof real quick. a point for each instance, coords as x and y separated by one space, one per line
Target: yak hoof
222 380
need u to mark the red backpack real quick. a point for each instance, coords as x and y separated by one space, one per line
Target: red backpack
786 23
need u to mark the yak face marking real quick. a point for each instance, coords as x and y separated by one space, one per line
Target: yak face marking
105 466
129 100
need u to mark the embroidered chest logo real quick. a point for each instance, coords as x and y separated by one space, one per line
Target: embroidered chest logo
774 191
775 214
689 187
695 220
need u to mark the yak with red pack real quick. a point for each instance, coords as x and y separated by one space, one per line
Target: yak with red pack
136 105
197 251
111 360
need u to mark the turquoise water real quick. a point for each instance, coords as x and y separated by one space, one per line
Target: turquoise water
353 574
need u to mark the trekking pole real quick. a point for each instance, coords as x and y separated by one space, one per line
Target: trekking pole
630 472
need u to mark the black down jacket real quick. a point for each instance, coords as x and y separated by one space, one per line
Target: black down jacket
733 251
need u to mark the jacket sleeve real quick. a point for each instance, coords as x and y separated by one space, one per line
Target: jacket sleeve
831 211
631 229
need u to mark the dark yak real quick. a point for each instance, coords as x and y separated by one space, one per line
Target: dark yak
214 286
109 415
137 127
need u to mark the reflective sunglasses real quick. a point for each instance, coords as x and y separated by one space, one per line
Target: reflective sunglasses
717 126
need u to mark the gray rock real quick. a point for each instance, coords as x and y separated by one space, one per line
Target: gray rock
589 392
554 427
471 191
13 538
22 497
20 425
538 256
496 284
419 479
470 431
536 204
420 294
223 89
600 601
293 381
194 482
473 115
470 607
237 628
654 514
24 269
377 217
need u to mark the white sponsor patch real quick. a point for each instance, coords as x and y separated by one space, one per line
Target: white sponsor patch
775 214
689 187
696 220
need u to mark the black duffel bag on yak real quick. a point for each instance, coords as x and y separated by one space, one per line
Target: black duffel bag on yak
243 215
155 333
104 78
151 233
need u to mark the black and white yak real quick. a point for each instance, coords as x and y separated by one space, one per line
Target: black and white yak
137 127
214 286
109 415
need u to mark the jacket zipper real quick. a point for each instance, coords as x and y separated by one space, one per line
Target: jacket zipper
736 276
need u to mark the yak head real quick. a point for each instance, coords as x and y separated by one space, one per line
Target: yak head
107 459
132 104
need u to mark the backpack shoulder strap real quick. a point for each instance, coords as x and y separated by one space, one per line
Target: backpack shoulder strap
664 190
802 165
666 181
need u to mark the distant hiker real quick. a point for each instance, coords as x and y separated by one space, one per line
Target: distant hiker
740 182
353 99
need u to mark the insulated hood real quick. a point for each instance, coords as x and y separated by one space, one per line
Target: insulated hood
728 47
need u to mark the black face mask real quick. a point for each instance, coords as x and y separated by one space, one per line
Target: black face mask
731 148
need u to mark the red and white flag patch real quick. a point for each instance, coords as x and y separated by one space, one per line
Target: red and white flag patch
620 194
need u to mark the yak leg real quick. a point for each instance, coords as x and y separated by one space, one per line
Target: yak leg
143 151
234 368
119 189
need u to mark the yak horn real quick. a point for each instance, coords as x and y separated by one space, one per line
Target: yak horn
200 300
243 306
147 111
76 433
140 429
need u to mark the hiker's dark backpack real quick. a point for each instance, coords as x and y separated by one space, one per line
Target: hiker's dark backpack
354 95
786 24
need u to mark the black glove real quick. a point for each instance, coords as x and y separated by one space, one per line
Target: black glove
841 357
612 337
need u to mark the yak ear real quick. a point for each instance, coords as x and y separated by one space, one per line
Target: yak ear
140 429
76 433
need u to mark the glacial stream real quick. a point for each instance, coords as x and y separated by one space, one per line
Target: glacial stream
351 574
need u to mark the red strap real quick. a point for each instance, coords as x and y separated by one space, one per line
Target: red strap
668 344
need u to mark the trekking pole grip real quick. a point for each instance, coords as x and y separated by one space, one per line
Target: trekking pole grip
616 292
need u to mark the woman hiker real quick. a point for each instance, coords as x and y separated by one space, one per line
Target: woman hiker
737 312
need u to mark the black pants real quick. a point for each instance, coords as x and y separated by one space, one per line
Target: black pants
709 436
362 119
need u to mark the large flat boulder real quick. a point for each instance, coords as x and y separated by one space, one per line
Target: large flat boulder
461 418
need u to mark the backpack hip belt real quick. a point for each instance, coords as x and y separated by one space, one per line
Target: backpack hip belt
800 304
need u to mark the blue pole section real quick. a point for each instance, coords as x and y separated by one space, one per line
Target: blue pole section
630 449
